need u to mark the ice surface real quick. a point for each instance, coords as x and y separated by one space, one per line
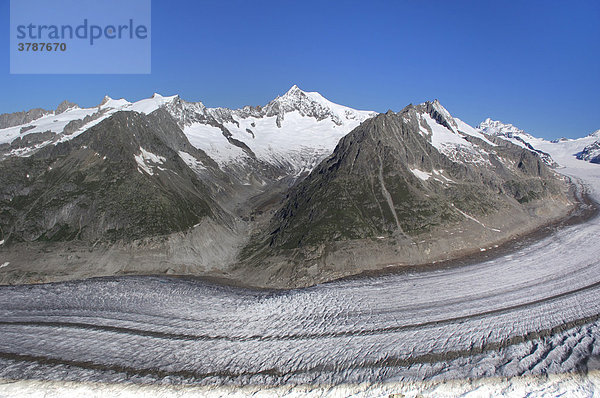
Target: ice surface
532 311
191 161
567 385
212 141
467 129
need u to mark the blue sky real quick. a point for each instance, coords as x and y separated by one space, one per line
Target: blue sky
535 64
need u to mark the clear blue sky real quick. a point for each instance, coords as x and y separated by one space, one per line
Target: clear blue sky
535 64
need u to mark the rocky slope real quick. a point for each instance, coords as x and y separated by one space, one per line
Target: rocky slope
123 179
405 188
127 187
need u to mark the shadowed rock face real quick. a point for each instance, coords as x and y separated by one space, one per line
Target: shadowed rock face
386 187
591 153
368 189
121 180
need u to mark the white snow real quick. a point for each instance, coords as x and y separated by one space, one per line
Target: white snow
191 161
211 140
300 143
149 105
452 144
5 264
342 112
439 175
113 103
54 123
572 385
467 129
563 152
146 160
339 332
435 174
504 130
333 333
423 175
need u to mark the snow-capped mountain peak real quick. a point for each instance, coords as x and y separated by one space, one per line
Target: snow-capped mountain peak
311 104
443 112
500 129
151 104
110 103
558 152
511 133
294 131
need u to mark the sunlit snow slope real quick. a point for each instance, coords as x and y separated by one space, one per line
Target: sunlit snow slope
294 131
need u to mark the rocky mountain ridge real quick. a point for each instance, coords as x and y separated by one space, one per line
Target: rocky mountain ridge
411 187
293 193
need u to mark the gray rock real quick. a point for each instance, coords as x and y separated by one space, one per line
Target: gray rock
15 119
364 208
92 188
64 106
590 153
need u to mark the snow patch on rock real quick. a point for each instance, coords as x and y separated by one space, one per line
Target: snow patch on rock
146 160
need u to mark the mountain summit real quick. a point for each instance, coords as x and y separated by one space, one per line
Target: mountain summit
311 104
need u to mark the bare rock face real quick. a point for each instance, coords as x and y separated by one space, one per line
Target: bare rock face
19 118
32 139
64 106
122 180
405 188
591 153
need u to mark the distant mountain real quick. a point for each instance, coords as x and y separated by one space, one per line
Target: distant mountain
591 152
514 135
586 148
289 135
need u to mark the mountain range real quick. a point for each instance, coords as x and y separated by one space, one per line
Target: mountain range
293 193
